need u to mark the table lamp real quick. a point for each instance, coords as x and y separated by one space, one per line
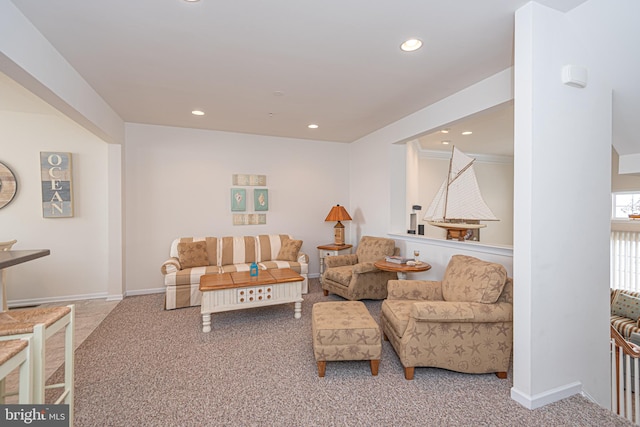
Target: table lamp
338 213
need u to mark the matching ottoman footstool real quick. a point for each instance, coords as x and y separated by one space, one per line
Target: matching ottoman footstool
344 330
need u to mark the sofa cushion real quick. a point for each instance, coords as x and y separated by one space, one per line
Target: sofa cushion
237 250
470 279
341 274
624 325
269 246
289 250
294 265
397 313
232 268
189 276
625 305
193 254
443 311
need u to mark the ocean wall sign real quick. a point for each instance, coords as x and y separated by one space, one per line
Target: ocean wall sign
57 188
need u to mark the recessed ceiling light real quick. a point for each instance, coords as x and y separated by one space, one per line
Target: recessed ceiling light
411 45
468 132
444 131
191 1
445 142
197 113
313 126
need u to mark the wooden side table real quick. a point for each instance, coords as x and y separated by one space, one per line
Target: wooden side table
401 269
331 250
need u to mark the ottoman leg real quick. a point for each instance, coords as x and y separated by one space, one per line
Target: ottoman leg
374 366
322 366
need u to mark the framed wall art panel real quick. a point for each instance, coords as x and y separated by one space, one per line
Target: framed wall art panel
246 179
238 199
249 219
261 199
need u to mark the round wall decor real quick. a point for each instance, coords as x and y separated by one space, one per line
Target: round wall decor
8 185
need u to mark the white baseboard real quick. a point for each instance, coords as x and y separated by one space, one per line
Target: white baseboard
145 291
541 399
588 396
65 298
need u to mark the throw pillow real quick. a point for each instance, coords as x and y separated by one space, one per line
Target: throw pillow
626 306
193 254
289 250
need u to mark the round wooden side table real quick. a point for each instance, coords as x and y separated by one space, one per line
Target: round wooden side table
401 269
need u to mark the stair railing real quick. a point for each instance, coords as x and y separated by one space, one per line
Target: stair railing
625 378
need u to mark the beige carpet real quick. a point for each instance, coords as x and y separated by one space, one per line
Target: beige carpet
145 366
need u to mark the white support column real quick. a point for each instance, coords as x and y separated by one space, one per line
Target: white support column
562 188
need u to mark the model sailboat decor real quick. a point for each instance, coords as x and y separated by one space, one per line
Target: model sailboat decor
458 206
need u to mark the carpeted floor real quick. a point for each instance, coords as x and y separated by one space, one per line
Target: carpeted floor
144 366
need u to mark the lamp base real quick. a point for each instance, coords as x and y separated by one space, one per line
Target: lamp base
338 234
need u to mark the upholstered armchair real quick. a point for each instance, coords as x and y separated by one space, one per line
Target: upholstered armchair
463 323
354 276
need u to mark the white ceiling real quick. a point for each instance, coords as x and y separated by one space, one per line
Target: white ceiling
337 63
492 134
272 67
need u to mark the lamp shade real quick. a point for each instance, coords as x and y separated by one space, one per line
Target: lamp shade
338 213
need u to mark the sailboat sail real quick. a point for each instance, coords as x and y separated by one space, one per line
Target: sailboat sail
459 198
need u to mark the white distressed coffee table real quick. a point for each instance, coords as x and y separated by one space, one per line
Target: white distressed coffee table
236 291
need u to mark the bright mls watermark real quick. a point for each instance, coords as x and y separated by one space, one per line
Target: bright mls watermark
34 415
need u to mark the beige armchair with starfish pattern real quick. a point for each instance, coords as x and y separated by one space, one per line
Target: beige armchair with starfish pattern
463 323
354 276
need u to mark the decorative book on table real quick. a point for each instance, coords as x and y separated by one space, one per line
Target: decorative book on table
397 259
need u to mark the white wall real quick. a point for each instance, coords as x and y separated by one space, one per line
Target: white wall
178 184
77 266
562 206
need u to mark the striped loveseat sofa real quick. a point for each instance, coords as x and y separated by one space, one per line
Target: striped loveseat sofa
191 257
625 310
